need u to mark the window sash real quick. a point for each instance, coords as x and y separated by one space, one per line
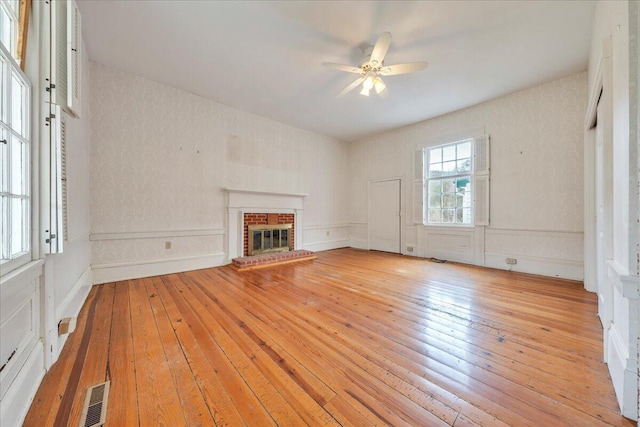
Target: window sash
15 160
462 171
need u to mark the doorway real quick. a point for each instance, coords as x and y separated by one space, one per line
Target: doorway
384 216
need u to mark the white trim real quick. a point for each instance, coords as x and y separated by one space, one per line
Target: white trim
551 267
24 274
322 226
328 245
626 284
594 92
451 137
359 243
17 400
71 306
126 235
105 273
538 232
262 192
67 308
624 379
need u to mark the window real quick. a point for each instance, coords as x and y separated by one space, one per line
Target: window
14 163
9 25
449 183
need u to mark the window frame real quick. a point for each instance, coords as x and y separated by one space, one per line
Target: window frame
427 179
10 69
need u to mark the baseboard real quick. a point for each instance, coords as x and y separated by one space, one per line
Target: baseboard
326 246
72 304
106 273
565 269
16 402
625 381
462 257
359 243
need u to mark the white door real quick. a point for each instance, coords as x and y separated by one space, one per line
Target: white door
384 216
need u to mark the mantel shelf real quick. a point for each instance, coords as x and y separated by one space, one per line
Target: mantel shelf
262 192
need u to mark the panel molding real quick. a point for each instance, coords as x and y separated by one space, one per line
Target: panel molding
327 245
126 235
106 273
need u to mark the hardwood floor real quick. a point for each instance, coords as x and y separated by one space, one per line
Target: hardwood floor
352 338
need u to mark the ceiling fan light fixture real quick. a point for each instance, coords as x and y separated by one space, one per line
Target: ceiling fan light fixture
364 90
368 83
379 85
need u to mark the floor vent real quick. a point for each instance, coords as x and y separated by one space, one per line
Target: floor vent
94 411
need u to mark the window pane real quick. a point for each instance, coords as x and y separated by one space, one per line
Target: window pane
459 200
435 170
17 104
464 150
435 216
17 164
459 216
448 185
5 30
435 200
448 216
435 155
435 186
464 165
466 216
449 153
449 168
17 226
449 200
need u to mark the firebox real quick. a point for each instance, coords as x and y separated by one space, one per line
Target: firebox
265 238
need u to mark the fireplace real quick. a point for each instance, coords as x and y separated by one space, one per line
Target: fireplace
268 238
252 207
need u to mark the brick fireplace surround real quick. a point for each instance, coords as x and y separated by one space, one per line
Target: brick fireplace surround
263 219
240 202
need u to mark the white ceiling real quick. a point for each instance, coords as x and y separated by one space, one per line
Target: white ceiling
264 57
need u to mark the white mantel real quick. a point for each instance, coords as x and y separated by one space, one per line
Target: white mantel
241 201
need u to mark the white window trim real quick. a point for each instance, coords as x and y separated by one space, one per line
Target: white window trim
24 257
426 180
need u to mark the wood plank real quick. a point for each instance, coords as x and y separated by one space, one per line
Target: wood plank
352 338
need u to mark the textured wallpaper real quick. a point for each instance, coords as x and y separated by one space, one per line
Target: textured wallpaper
536 155
161 156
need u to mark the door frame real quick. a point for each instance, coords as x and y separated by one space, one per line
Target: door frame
400 208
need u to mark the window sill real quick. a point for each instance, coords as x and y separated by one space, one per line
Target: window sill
27 272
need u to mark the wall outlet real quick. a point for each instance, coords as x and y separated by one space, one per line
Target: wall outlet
167 245
327 232
67 325
409 248
512 261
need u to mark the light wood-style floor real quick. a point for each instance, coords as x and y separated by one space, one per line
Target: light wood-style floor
352 338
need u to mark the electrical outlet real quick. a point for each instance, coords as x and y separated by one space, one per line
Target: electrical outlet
409 248
327 232
512 261
167 245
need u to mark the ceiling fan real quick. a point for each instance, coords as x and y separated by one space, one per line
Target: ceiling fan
372 68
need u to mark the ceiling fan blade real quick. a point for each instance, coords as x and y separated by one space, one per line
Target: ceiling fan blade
341 67
351 87
409 67
380 49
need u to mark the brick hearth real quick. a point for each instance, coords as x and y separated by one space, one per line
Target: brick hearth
257 261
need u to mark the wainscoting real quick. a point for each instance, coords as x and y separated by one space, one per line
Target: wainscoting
121 256
544 252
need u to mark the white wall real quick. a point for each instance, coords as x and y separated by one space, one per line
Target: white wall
160 159
618 21
34 298
536 180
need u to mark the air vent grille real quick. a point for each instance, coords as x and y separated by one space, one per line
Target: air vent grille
94 412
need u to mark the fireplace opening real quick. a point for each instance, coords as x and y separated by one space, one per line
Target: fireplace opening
265 238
